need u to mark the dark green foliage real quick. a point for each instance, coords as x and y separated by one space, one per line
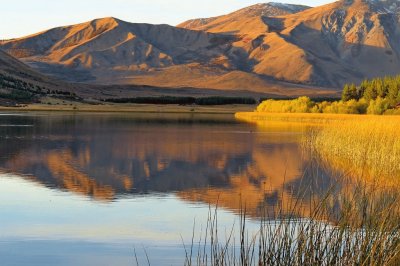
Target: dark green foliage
11 83
17 90
154 100
385 88
314 99
325 99
215 100
350 92
276 98
18 95
23 91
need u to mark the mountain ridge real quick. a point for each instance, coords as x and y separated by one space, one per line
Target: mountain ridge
255 48
143 54
252 12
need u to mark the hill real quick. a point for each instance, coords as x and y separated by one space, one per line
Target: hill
244 21
267 48
20 83
330 45
110 51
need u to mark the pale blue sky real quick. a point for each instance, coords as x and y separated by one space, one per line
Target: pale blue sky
22 17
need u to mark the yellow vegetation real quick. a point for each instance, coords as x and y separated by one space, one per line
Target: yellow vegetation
365 148
304 104
260 118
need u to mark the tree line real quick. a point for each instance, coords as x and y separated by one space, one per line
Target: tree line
20 90
381 94
184 100
375 96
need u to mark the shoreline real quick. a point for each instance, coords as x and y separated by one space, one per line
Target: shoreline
133 108
315 118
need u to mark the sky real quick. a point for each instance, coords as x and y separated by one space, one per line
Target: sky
19 18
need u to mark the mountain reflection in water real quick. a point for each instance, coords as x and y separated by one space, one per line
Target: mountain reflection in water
200 158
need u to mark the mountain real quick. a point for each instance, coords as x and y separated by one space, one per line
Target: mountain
10 66
330 45
267 48
20 83
111 51
243 21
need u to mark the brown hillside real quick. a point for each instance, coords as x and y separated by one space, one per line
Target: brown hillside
20 83
259 49
111 51
330 45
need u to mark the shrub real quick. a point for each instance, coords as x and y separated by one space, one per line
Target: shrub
299 105
378 106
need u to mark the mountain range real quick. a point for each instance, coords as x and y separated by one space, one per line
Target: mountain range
272 48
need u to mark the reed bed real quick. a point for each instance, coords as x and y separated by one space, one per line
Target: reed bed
363 231
260 117
356 224
366 148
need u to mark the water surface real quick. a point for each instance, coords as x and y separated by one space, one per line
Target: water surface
91 189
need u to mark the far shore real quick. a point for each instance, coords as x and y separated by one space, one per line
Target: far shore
134 108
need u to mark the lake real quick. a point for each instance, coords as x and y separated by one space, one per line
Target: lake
94 189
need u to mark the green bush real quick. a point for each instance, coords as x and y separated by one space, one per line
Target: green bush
300 105
387 88
378 106
377 96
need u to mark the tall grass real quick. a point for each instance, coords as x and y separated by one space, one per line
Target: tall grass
304 118
356 224
364 230
367 148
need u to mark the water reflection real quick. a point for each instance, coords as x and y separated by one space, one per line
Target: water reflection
199 158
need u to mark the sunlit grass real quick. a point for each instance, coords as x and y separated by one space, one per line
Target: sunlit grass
366 148
357 224
364 145
315 119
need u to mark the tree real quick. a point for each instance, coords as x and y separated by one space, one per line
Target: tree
349 93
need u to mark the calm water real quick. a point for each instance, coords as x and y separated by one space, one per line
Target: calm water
90 189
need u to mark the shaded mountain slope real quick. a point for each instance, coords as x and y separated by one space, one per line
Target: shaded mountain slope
20 83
